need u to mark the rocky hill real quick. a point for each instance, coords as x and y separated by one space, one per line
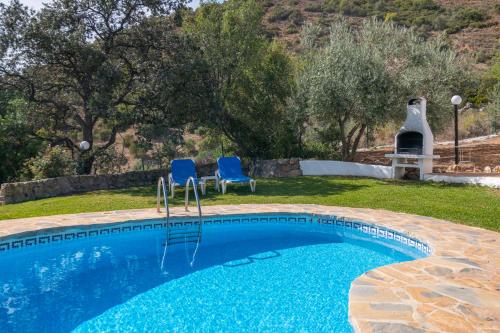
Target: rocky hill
473 26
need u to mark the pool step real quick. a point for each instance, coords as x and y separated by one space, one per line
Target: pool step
178 236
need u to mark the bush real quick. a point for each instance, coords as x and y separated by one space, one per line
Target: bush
296 17
469 15
331 6
279 13
427 15
313 8
292 29
424 5
53 162
267 3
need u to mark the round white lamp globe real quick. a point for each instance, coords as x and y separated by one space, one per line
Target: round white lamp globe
84 145
456 100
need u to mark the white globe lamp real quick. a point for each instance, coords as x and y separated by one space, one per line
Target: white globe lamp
84 145
456 100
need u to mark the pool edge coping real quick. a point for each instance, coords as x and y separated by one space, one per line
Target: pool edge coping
453 289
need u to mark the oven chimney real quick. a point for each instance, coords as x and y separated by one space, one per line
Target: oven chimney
415 136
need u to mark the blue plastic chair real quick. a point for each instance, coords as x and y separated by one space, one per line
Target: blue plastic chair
230 172
181 171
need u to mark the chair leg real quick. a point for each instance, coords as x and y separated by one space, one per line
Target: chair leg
253 185
203 188
223 186
173 190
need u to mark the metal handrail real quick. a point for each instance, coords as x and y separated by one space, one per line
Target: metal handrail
186 202
186 199
162 186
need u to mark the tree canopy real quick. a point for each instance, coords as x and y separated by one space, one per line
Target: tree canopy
83 63
362 78
248 79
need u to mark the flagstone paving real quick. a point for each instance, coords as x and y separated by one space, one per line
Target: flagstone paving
456 289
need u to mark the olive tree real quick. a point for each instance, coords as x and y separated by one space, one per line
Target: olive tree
362 78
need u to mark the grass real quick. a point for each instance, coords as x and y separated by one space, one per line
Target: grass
471 205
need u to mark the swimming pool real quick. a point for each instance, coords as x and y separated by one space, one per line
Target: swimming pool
256 272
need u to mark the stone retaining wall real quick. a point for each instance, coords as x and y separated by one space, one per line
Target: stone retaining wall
289 167
53 187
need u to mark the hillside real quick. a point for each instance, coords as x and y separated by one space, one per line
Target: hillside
473 26
480 153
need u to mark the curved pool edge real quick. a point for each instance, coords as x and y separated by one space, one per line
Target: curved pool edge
452 290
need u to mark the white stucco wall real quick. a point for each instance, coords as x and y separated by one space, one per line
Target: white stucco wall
482 180
339 168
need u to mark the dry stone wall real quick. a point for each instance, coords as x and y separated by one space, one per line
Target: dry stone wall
53 187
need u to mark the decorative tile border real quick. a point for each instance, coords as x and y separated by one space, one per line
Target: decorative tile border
340 224
72 234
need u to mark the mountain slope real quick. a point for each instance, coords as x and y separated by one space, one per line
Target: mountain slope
473 26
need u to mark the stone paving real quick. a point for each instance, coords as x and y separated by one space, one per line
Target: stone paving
456 289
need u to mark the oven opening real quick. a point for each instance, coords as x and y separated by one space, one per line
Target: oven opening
410 143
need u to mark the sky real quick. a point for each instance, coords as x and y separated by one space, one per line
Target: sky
36 4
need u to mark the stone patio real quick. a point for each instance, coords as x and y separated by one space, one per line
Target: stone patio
456 289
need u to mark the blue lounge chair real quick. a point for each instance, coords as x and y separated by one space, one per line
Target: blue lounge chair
230 172
181 171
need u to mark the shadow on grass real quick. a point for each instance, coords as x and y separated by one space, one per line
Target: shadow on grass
426 184
300 186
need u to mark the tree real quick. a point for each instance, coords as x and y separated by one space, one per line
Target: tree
493 107
363 78
247 79
16 143
83 64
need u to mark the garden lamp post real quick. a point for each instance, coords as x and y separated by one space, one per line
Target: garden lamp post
82 156
456 100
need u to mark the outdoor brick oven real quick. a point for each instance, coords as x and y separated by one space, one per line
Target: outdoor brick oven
413 144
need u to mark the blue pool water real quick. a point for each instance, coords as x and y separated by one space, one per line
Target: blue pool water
245 278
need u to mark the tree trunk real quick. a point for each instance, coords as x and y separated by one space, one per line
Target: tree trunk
355 144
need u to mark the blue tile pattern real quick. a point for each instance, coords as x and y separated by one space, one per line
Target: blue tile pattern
343 226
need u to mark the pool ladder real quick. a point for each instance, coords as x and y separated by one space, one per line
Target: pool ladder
184 233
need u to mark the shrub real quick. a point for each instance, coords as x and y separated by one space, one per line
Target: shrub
110 161
296 17
279 13
53 162
128 140
313 8
469 15
267 3
391 16
331 6
292 29
424 5
351 8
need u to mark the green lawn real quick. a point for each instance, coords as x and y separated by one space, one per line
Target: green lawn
472 205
